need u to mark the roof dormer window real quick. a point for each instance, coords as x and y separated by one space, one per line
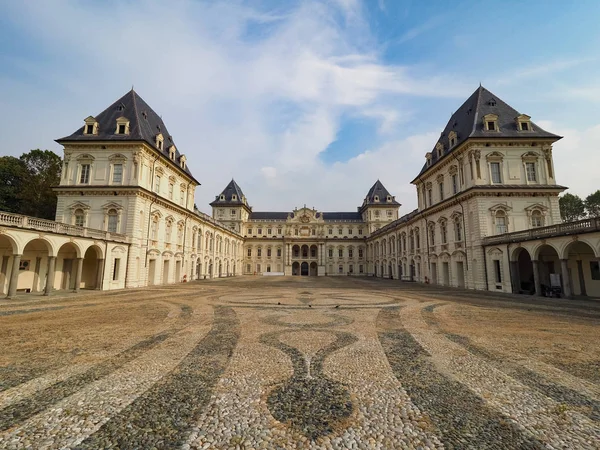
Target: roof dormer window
428 158
389 198
376 198
182 161
234 197
523 122
91 126
490 122
122 126
222 197
159 141
452 138
439 148
492 102
172 152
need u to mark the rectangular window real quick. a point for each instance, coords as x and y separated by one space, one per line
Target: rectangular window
269 252
340 231
349 230
279 253
530 169
259 231
497 271
360 269
331 231
360 231
112 223
496 175
500 225
89 129
360 252
331 253
116 268
259 252
181 197
429 197
595 269
117 173
524 126
157 183
121 129
341 269
341 253
491 125
454 184
233 212
314 232
350 253
269 231
249 252
296 232
350 268
278 230
441 191
170 191
79 220
84 178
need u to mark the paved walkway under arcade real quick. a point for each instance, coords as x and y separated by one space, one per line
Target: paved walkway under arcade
299 362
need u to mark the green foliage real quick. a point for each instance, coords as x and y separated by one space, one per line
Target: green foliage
26 183
12 172
592 204
571 207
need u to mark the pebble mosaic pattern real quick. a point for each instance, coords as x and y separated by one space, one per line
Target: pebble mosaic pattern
298 363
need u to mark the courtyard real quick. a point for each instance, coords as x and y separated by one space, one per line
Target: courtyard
299 362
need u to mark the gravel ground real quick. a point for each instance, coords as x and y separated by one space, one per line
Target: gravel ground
290 363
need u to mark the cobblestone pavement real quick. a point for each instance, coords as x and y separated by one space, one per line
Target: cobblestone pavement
299 363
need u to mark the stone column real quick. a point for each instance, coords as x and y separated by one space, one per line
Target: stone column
50 275
581 278
514 276
78 274
100 274
536 277
14 276
565 278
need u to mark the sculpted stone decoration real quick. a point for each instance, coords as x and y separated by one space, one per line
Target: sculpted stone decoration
477 156
548 156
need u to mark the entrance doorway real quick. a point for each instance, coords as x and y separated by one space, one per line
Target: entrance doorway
313 269
296 268
304 269
460 274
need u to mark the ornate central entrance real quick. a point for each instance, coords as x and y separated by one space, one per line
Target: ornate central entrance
304 269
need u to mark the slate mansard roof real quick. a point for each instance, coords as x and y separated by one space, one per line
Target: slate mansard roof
379 191
144 125
327 216
230 190
467 122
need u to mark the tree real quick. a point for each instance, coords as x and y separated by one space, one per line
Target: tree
42 173
571 207
12 174
592 204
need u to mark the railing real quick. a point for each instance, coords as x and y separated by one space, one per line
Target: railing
33 223
562 229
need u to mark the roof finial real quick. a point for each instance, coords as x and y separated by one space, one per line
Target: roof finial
132 87
480 84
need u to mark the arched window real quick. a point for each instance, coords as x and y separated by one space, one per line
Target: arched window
444 232
168 231
112 221
458 234
155 228
432 235
537 220
79 217
180 234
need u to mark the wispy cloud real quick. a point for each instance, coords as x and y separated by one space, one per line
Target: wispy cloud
417 31
516 75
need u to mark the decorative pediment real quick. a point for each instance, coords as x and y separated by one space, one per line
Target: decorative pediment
494 156
536 207
117 157
305 215
156 214
170 218
530 156
79 205
455 215
112 205
84 157
500 207
442 219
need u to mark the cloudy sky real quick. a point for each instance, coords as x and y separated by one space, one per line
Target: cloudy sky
306 102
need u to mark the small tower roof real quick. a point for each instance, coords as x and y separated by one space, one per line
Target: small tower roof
378 195
225 198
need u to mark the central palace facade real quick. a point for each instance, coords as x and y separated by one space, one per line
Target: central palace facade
487 216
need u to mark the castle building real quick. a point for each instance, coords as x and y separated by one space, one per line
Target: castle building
487 217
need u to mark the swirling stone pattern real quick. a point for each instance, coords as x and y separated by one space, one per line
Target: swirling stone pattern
310 402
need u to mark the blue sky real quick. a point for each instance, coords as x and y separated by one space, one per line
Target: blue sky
309 101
